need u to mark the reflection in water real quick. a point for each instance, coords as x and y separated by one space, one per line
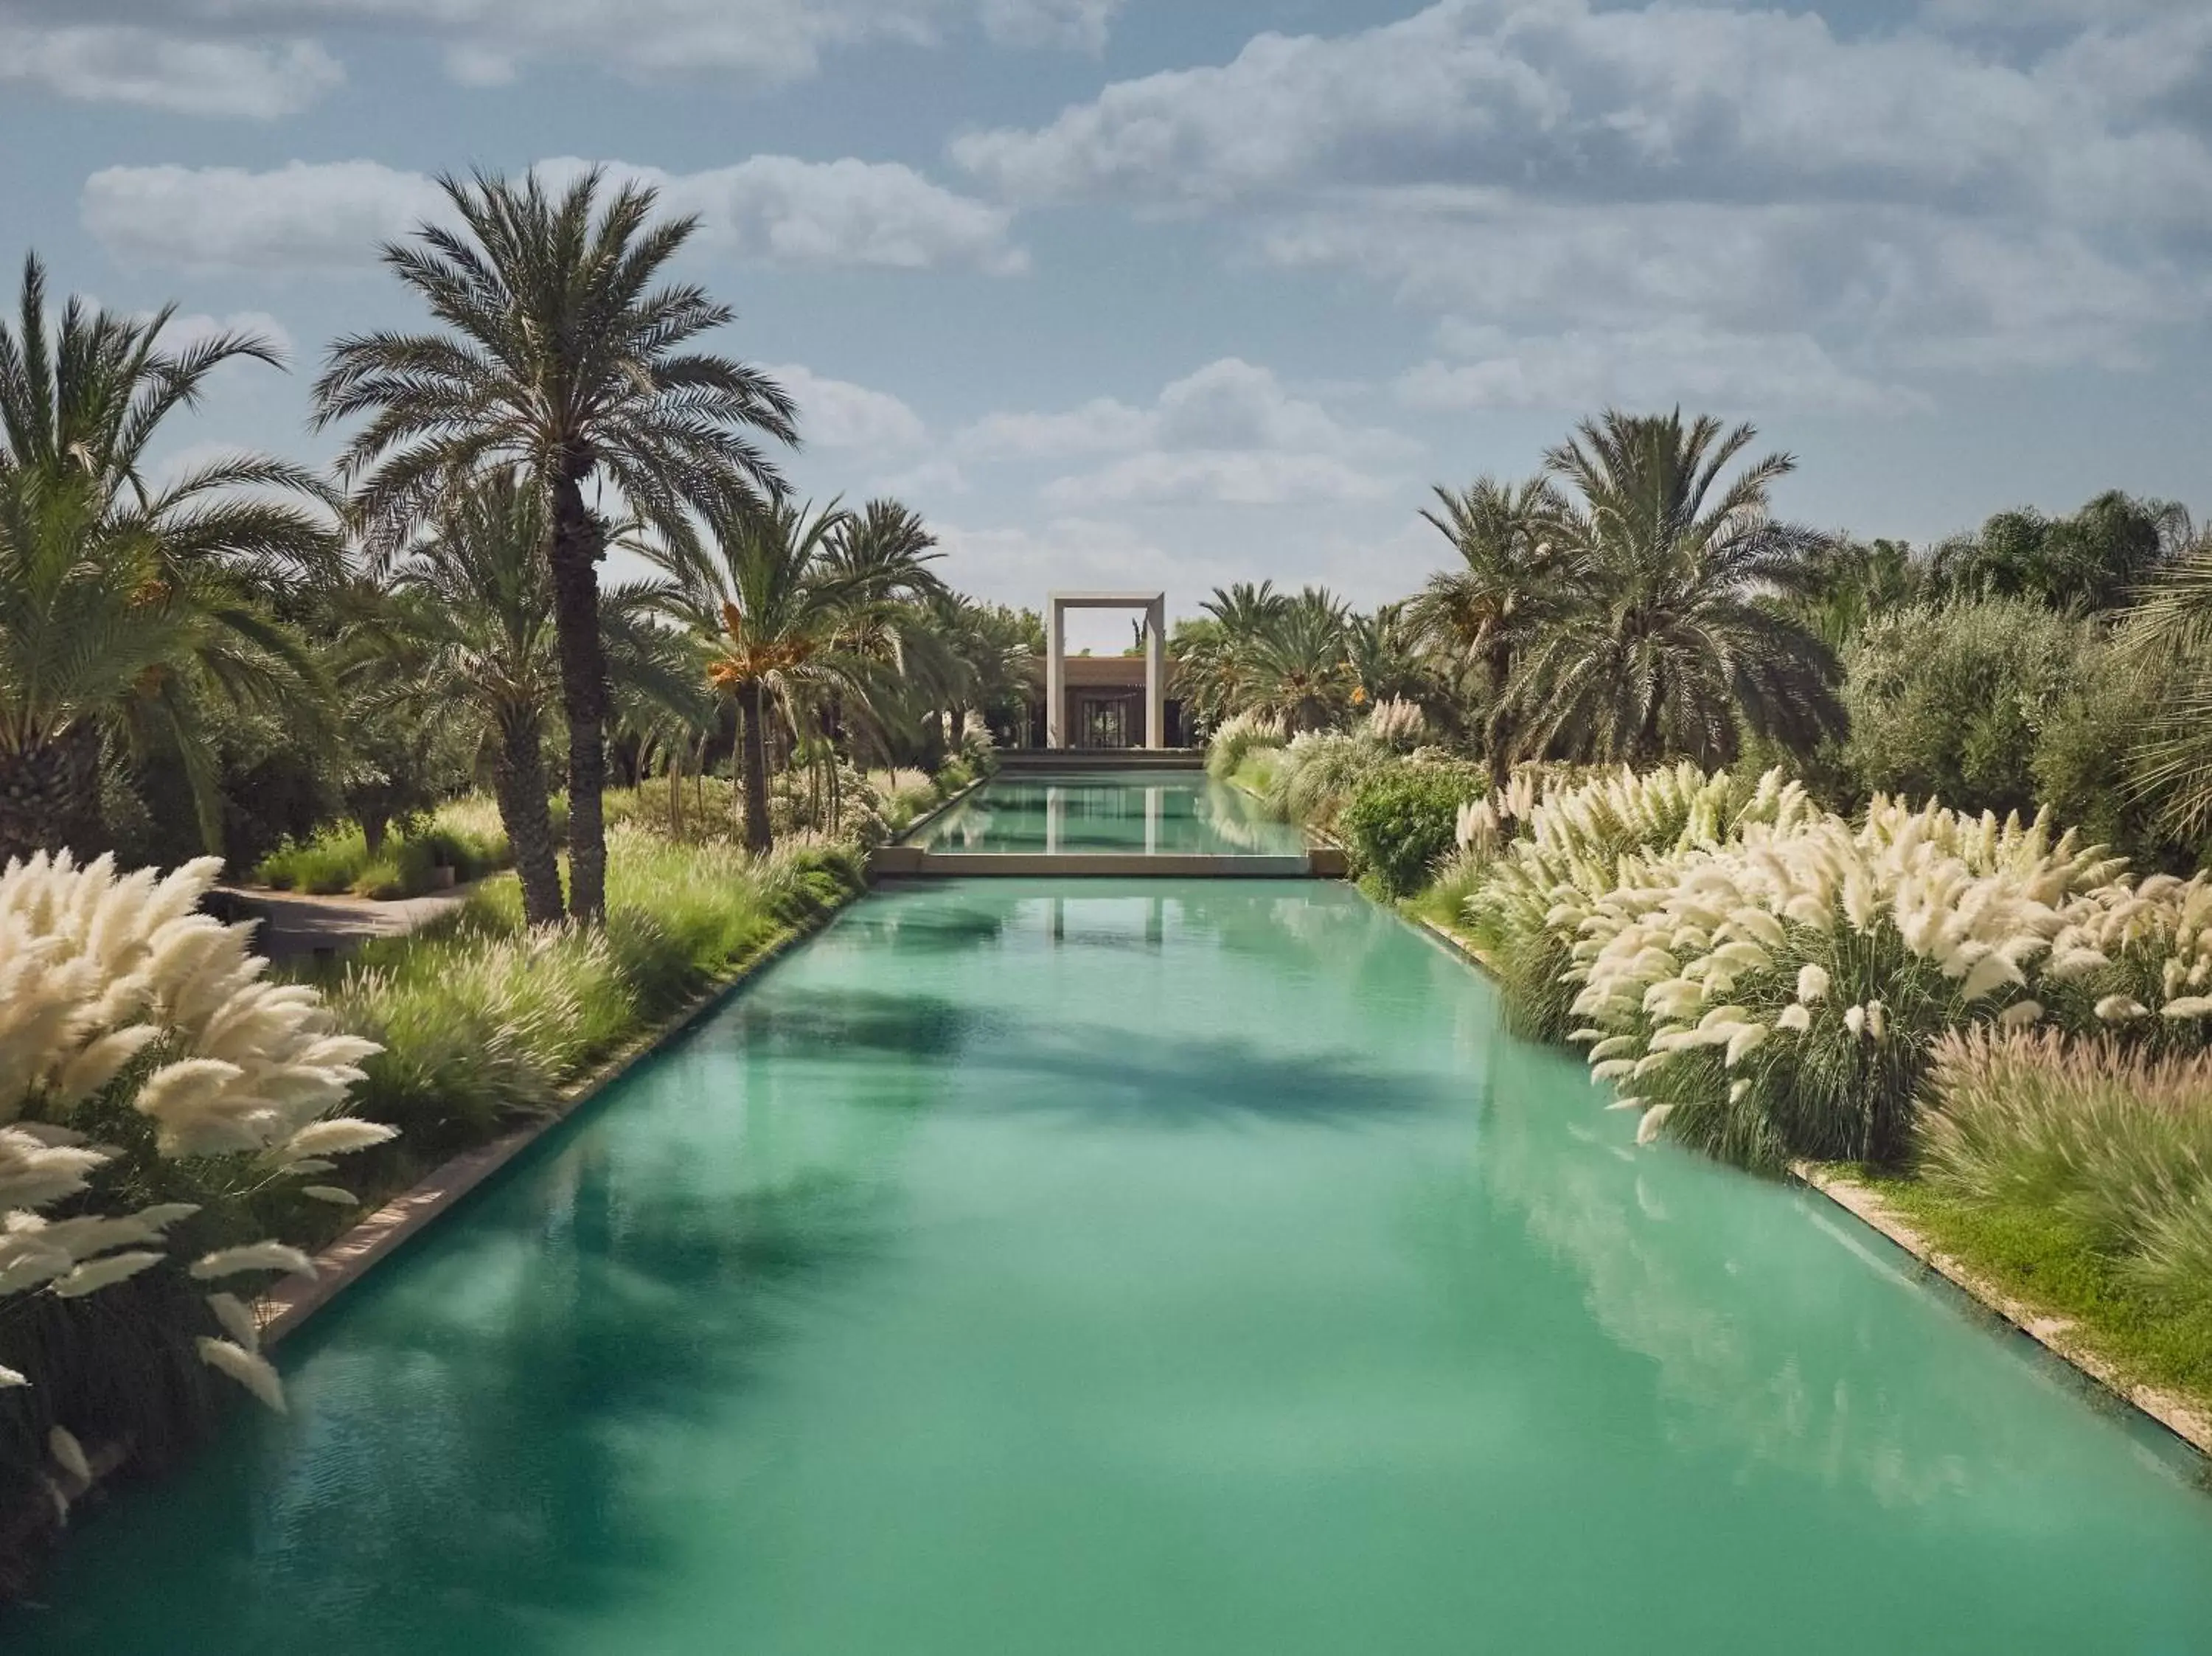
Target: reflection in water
1752 1357
1151 814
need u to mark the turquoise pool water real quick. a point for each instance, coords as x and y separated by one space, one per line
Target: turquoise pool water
1151 1267
1153 811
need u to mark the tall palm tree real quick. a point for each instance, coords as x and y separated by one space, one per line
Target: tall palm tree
477 608
887 548
472 633
1295 666
120 599
559 352
1512 564
1665 641
789 628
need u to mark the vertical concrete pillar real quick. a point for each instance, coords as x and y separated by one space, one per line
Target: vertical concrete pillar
1156 701
1055 672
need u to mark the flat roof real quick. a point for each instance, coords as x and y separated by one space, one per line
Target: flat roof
1105 600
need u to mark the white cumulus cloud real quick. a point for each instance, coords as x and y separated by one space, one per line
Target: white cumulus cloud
837 414
275 57
325 216
151 68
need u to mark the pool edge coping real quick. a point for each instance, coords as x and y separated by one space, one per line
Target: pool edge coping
2175 1412
370 1241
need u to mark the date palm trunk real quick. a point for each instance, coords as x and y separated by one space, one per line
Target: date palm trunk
526 814
577 545
752 708
50 795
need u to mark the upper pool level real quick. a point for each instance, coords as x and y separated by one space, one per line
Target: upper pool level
1178 822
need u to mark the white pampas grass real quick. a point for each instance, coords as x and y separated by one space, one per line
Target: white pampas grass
68 1454
249 1369
253 1256
110 981
96 1274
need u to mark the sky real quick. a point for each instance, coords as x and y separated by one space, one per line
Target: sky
1153 294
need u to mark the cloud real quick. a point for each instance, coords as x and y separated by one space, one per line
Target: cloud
300 217
1081 24
1558 98
1229 433
1019 565
1233 478
330 216
154 69
268 57
837 414
1583 369
1896 197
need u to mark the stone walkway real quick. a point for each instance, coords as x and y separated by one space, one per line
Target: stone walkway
293 923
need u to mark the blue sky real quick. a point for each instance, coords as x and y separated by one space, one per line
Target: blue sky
1141 293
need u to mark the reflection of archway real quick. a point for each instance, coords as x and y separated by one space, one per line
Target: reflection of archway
1057 604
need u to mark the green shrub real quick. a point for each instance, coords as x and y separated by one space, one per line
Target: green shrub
1401 822
1952 702
463 834
484 1019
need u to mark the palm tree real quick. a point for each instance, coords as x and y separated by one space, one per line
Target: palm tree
562 355
120 600
1385 654
476 605
1664 641
1295 666
2169 633
471 633
1512 564
788 626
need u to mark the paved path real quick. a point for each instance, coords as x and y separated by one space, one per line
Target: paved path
293 922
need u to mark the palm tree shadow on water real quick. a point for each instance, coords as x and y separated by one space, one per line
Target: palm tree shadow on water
469 1465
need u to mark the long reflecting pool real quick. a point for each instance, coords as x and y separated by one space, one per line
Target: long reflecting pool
1158 812
1162 1268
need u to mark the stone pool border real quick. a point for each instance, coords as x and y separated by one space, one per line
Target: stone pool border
2177 1414
369 1243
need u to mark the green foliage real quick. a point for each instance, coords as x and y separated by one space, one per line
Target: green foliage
2116 1142
463 836
1236 739
2093 561
1952 702
483 1019
1316 776
1401 822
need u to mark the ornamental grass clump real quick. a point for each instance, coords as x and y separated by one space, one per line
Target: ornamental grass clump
1316 776
143 1054
1565 852
1775 997
1397 724
484 1020
1225 750
2116 1141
